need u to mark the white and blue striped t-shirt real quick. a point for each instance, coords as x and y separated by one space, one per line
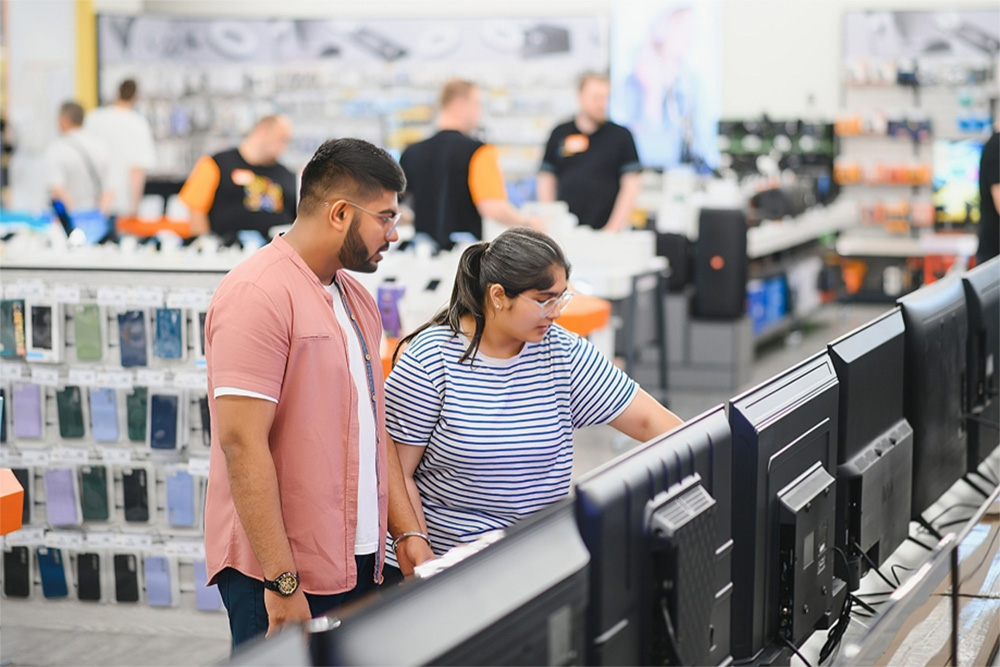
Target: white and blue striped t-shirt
498 433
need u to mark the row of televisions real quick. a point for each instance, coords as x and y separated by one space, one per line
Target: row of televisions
719 541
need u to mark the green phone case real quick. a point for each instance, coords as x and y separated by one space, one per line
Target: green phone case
94 493
135 406
69 403
87 321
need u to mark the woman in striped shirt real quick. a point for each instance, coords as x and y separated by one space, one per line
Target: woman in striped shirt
483 401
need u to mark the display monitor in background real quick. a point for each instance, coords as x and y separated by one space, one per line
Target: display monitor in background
657 522
956 182
784 462
982 302
934 387
874 446
522 600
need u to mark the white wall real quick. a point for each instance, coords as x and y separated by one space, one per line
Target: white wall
776 54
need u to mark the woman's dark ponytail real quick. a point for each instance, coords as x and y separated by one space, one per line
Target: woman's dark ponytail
518 260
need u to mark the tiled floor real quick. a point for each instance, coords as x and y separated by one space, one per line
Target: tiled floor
35 633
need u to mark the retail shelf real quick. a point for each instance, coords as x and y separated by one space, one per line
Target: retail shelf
773 237
864 245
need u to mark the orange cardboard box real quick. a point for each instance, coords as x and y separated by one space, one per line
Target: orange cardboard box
11 502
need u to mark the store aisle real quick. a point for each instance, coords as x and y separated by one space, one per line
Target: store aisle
121 635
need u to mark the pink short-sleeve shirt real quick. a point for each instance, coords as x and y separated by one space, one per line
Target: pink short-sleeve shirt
271 330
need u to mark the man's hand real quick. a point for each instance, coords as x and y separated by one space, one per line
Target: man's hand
282 610
412 552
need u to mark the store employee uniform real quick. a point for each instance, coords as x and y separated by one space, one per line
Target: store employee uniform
237 195
446 176
274 332
588 168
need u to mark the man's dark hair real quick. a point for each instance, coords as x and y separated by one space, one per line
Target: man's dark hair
349 167
72 112
127 90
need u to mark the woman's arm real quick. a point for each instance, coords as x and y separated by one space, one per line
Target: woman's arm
409 458
644 418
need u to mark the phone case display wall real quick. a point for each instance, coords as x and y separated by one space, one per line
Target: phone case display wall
105 424
916 111
203 83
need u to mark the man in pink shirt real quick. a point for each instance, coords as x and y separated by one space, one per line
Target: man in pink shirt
304 483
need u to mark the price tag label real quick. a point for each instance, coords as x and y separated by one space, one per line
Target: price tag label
116 379
116 455
145 377
184 549
25 289
85 377
147 297
11 371
116 297
198 466
133 541
190 299
26 537
45 376
62 293
69 455
35 457
64 539
100 540
189 380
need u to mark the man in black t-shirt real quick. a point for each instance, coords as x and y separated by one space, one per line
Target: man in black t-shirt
591 163
243 188
989 199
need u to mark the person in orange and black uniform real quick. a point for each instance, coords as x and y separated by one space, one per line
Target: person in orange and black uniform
591 163
454 181
243 188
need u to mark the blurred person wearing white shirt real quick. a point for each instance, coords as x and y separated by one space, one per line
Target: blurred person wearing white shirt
77 165
130 141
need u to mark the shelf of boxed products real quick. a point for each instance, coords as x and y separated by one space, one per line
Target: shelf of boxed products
870 243
778 235
106 429
847 171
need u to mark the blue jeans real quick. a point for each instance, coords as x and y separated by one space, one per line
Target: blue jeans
244 599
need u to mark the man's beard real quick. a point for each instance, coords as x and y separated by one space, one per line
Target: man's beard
354 254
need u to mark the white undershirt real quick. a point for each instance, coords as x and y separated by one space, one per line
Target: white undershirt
366 539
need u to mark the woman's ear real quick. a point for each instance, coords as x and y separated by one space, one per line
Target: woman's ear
495 296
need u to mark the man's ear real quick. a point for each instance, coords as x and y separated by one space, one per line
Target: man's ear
338 215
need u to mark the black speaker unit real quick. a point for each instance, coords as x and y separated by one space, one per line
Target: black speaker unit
720 265
677 249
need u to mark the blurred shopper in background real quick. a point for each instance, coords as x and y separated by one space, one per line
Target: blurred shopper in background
591 163
78 165
129 139
454 180
243 188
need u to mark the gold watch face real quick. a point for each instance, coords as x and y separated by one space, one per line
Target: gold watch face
287 583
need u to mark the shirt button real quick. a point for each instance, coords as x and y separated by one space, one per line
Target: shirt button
352 318
373 397
368 357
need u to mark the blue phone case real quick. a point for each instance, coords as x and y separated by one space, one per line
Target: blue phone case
52 569
180 498
61 500
163 421
167 343
158 593
207 598
26 403
132 338
104 414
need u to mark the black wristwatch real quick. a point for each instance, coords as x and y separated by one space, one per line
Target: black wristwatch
286 584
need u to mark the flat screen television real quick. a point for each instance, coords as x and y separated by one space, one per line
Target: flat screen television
874 446
784 466
520 601
982 301
657 522
934 387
